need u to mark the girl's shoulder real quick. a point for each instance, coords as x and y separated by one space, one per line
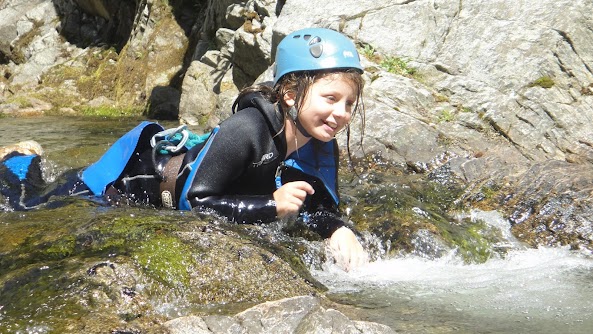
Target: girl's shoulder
248 118
256 111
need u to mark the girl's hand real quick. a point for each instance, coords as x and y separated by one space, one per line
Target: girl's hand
347 250
290 197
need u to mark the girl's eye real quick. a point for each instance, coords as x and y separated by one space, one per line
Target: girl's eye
331 98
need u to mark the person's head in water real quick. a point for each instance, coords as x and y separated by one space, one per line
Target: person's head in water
318 81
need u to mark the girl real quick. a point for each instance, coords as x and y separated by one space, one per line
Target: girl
275 157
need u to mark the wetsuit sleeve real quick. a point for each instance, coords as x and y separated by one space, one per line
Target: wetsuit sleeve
224 165
324 222
240 209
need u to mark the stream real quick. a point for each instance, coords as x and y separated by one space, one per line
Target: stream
544 290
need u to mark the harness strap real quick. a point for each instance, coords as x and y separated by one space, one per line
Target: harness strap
167 186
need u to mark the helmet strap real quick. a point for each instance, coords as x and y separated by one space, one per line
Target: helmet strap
294 115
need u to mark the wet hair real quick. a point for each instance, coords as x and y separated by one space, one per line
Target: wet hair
300 83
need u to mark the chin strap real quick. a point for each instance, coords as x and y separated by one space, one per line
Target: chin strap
294 115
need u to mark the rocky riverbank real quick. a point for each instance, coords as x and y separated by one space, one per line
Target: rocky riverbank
485 93
468 105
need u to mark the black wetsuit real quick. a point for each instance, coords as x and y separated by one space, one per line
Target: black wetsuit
236 175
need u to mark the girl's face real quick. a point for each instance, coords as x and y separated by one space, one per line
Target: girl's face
328 106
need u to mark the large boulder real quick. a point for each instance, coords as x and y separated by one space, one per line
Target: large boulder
70 53
520 70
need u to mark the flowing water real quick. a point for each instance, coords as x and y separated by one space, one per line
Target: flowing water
546 290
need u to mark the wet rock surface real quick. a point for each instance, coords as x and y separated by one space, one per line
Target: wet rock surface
77 267
551 205
292 315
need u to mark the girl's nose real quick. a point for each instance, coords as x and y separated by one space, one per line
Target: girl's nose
341 111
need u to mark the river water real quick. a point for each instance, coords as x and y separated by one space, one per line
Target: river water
545 290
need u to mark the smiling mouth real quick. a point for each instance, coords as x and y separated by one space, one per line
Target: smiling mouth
331 127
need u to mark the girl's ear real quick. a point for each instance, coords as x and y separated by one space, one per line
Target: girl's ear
289 102
289 99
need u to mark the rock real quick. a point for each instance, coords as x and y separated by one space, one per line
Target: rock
123 271
188 325
234 16
491 74
249 46
551 205
100 102
198 100
164 103
25 147
224 36
299 315
12 15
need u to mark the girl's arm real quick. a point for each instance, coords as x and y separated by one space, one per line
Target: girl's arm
219 183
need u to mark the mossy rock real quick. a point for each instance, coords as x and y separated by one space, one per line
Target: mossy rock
133 268
398 207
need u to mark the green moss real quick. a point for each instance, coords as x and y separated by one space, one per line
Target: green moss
463 109
489 191
22 101
109 111
397 65
445 116
123 234
472 239
18 52
440 97
54 234
391 64
166 259
369 53
56 75
544 82
42 297
444 140
394 212
395 208
62 248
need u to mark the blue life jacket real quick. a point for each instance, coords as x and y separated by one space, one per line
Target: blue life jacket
110 166
322 166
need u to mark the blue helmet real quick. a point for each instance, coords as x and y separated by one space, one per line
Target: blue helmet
315 49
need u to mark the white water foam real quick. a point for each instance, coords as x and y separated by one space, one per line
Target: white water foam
540 290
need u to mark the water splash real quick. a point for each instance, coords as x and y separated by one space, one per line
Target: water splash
544 290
